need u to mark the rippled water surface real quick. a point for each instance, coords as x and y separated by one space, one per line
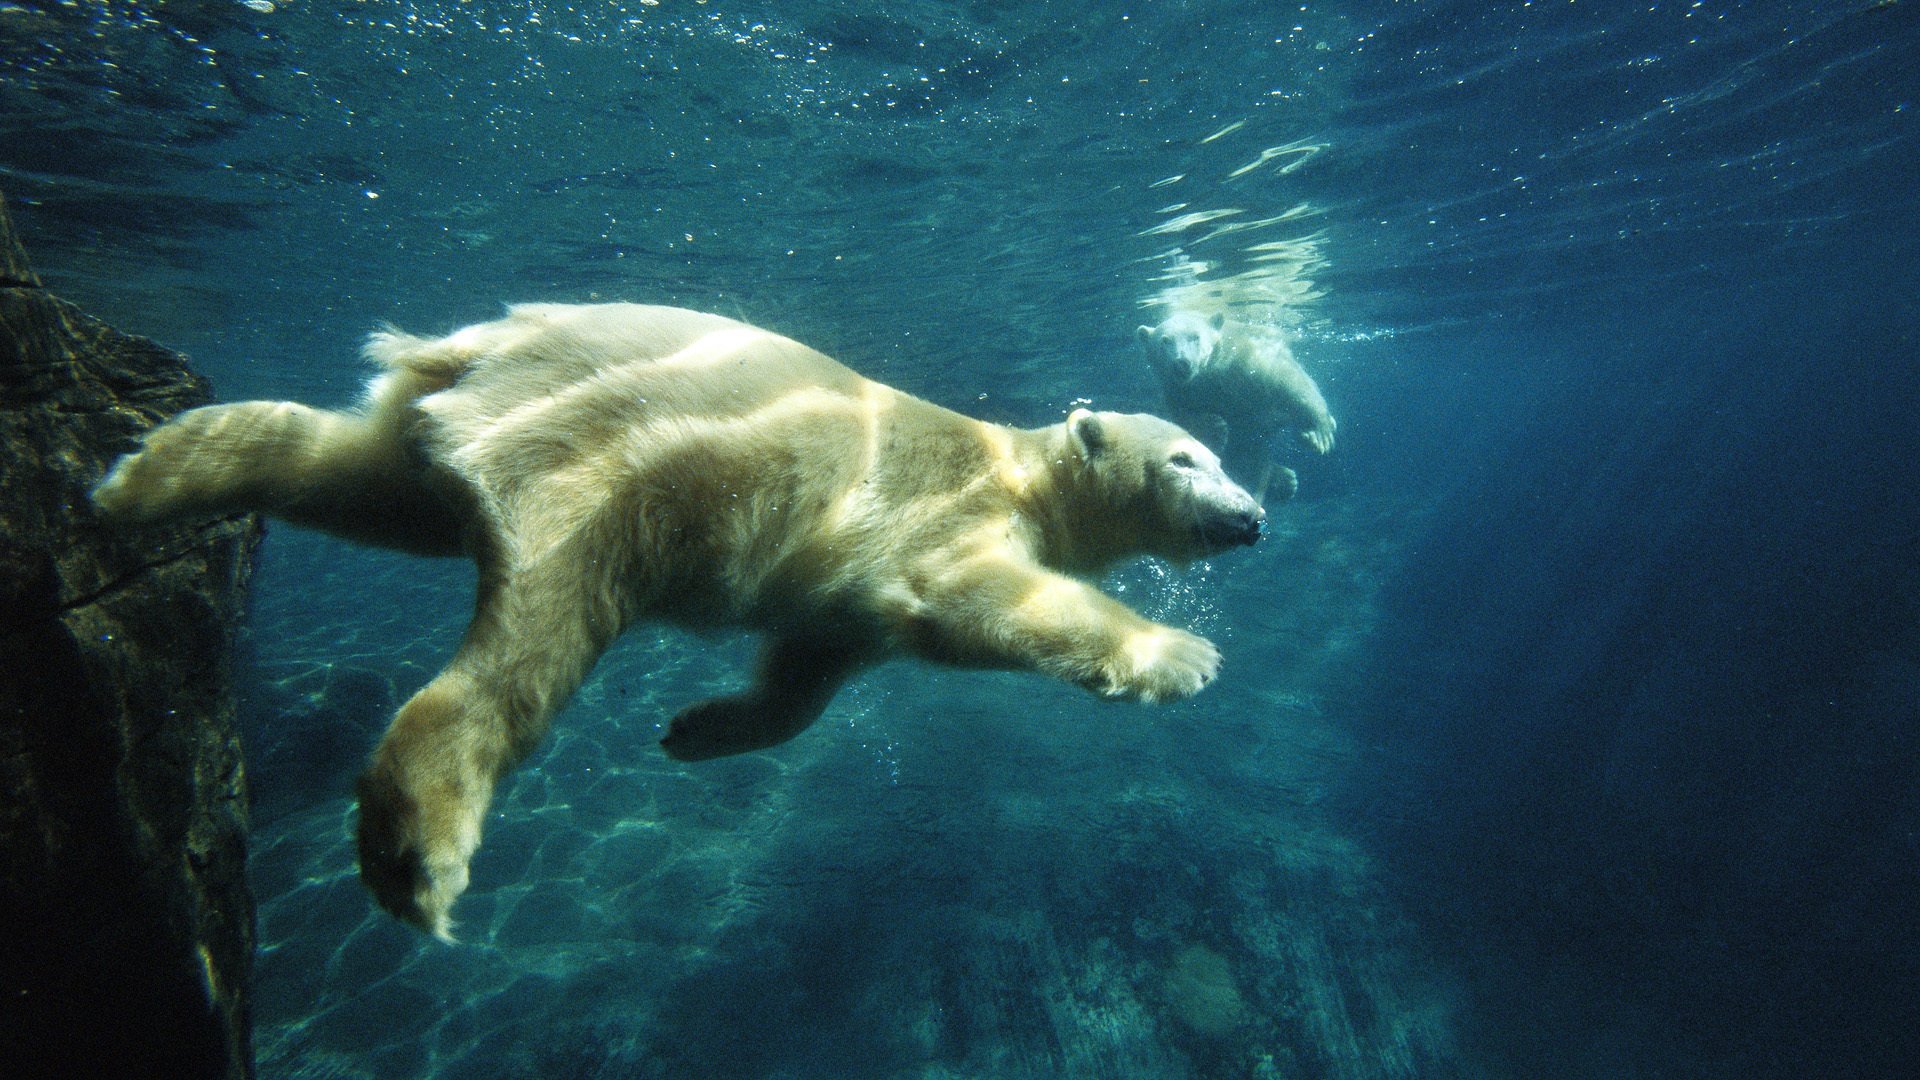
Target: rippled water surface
1570 721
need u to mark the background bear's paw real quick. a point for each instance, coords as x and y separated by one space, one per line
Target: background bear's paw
1164 664
1284 485
1320 436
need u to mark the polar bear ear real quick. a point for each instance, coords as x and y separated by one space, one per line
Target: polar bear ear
1087 432
1144 334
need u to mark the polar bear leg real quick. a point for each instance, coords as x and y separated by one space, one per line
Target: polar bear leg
996 613
426 790
792 686
222 459
343 473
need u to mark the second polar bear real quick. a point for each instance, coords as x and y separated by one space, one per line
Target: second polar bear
1234 386
615 463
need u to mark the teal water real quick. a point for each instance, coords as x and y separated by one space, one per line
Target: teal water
1568 721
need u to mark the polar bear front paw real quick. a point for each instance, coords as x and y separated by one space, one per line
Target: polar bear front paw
1162 664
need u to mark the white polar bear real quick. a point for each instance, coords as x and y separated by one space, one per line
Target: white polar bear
609 464
1233 386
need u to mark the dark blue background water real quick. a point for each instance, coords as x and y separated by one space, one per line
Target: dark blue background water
1570 725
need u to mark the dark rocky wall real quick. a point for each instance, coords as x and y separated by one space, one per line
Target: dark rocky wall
126 924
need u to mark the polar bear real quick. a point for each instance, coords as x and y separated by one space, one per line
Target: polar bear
1233 385
609 463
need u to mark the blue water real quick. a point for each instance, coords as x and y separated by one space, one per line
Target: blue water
1570 722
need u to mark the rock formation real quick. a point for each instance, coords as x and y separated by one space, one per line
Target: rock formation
126 924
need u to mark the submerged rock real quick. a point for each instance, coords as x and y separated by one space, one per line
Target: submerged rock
127 919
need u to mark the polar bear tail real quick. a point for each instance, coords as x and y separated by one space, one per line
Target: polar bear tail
438 358
442 360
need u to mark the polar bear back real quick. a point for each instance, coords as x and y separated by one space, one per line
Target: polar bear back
548 356
551 386
720 456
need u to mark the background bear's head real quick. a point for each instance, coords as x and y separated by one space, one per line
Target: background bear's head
1182 343
1164 492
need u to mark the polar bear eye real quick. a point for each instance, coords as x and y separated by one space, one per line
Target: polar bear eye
1182 459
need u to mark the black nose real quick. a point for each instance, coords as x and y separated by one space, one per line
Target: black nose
1255 526
1237 528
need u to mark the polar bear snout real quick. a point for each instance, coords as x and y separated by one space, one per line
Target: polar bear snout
1229 517
1235 528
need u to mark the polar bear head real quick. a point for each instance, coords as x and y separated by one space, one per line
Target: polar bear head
1165 491
1182 343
